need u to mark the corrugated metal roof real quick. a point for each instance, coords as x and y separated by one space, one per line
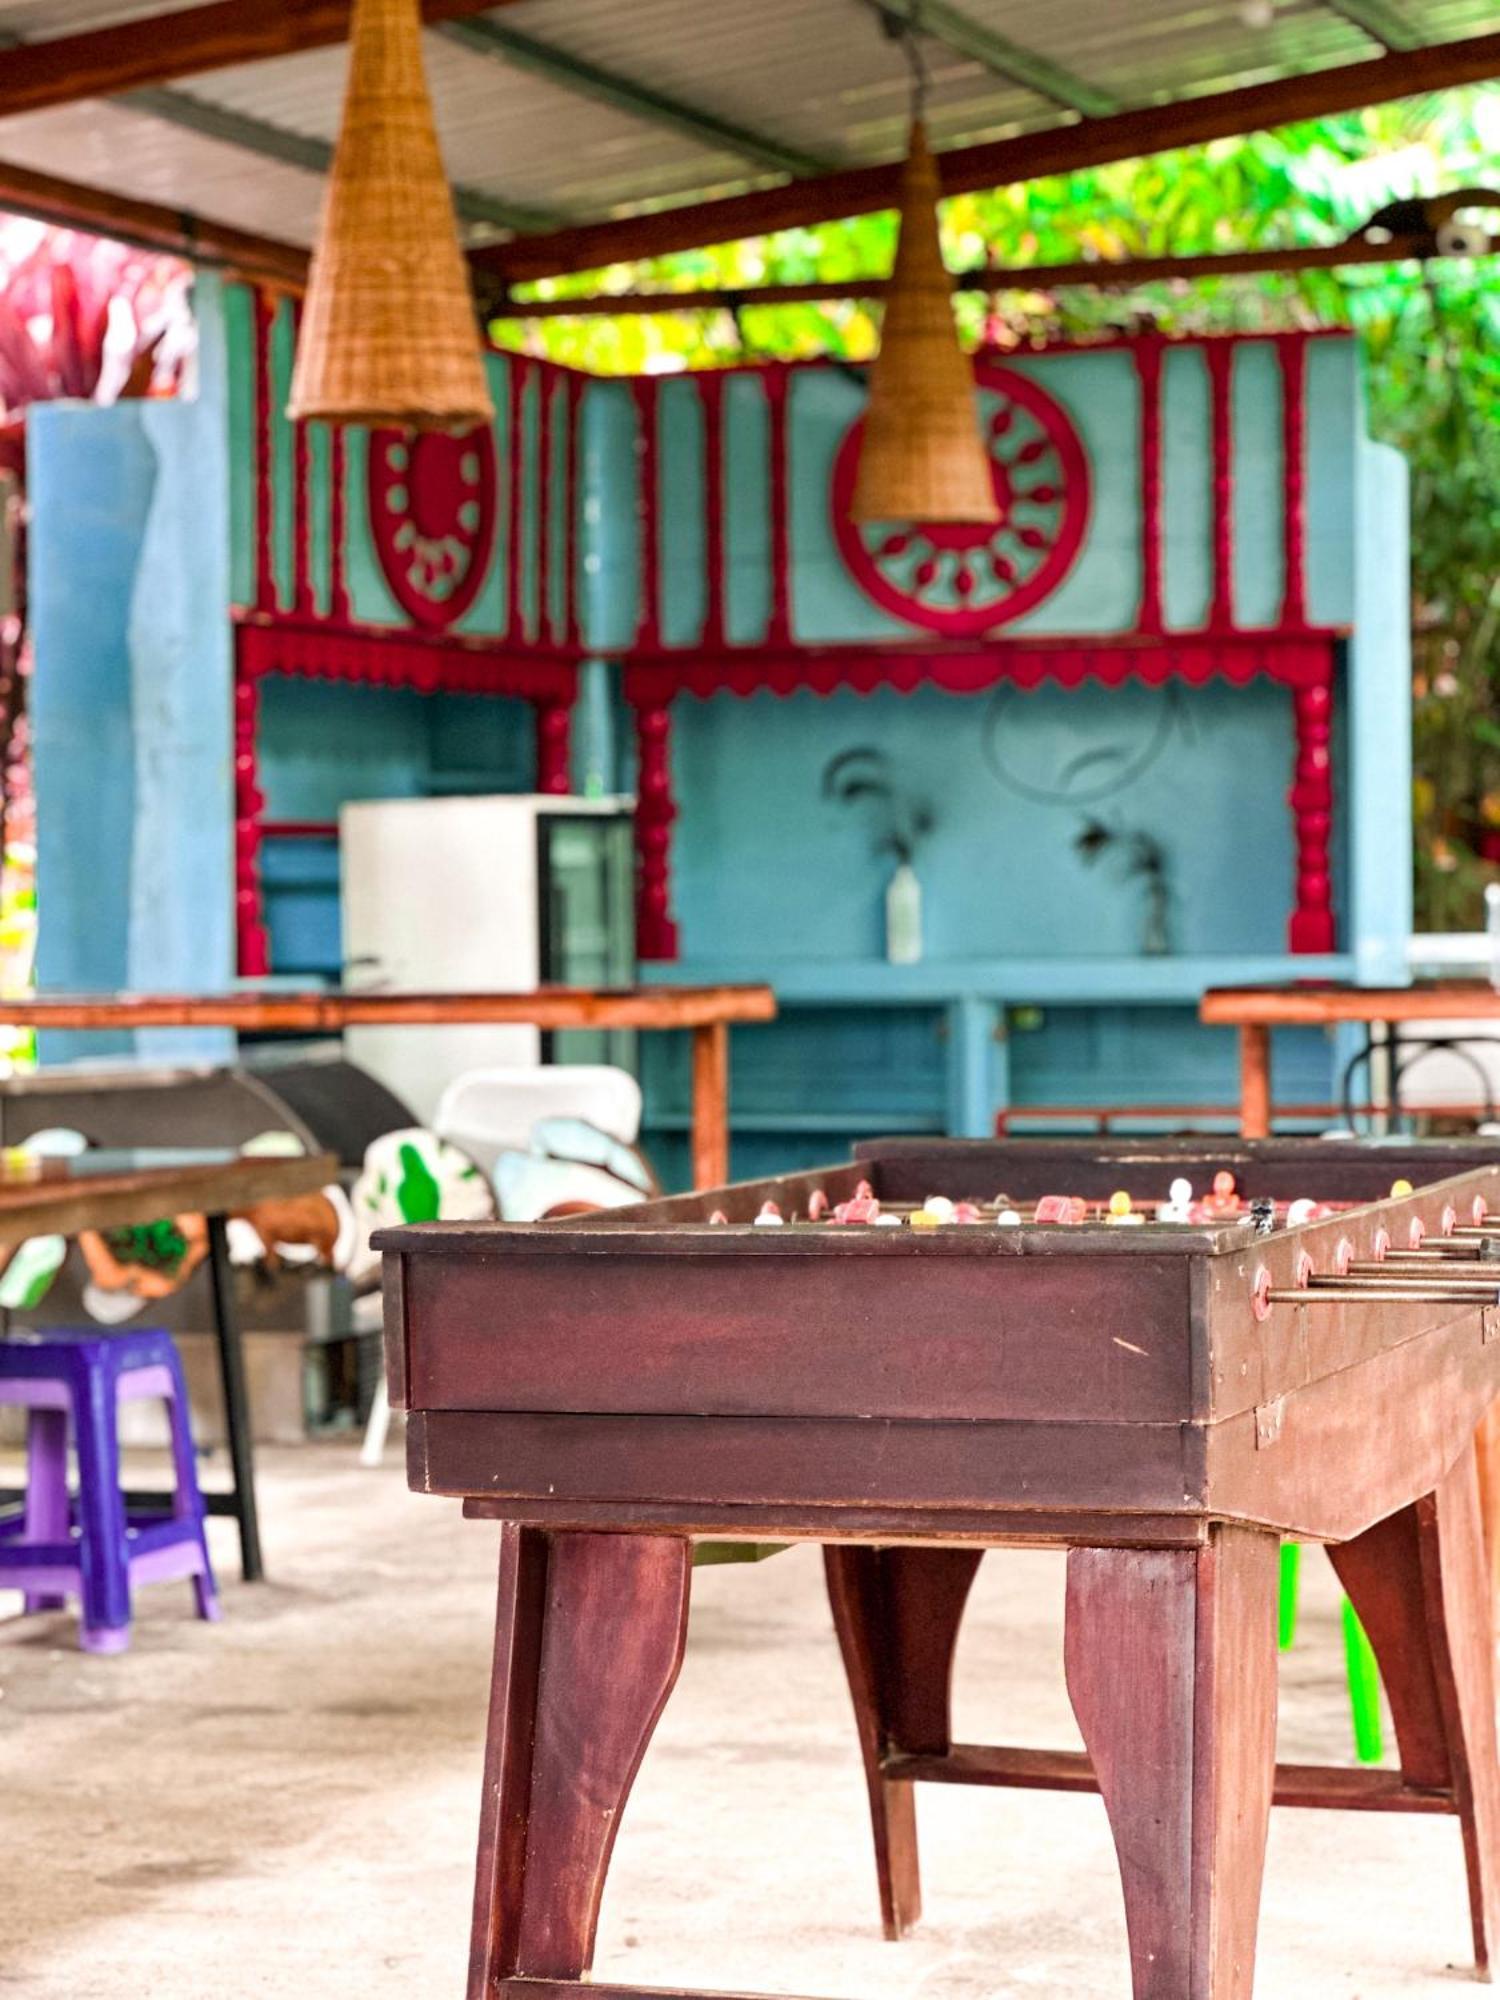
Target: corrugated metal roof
813 81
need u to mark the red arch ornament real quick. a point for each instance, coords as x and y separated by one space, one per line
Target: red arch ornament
433 516
962 581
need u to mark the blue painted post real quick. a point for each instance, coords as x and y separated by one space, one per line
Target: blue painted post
130 591
972 1027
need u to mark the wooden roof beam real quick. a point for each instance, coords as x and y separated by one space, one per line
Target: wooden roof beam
135 55
1090 142
151 226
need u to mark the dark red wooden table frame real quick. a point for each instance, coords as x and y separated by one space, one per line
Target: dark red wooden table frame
614 1388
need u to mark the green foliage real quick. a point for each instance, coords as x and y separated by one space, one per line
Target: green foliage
1432 338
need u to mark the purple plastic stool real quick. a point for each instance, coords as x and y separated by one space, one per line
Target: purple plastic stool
91 1547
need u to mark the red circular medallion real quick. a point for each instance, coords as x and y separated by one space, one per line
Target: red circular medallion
432 516
961 581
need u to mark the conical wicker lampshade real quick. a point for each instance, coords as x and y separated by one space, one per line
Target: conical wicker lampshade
921 458
389 334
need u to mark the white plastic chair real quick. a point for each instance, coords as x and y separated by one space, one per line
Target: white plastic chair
487 1112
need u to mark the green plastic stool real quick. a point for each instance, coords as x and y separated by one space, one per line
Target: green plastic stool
1359 1657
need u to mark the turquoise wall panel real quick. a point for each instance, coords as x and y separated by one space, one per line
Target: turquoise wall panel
747 511
1335 445
683 574
238 306
767 867
609 539
1101 395
1187 489
1259 565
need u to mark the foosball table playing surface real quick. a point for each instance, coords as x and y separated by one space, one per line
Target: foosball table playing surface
1163 1357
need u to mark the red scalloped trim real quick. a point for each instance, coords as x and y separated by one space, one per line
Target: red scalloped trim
374 657
1239 658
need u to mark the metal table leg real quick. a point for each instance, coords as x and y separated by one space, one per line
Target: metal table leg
236 1400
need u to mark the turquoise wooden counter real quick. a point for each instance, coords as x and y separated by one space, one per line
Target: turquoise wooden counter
943 1046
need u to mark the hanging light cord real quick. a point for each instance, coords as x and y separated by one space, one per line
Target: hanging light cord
906 28
916 62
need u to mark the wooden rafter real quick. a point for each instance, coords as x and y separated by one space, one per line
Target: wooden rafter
151 225
134 55
1090 142
1096 273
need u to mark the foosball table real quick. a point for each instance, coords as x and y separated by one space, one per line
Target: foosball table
1163 1357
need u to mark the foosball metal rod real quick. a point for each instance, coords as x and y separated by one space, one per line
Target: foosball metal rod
1340 1292
1423 1281
1407 1266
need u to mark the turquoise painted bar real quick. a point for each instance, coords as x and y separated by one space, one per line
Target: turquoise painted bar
1197 604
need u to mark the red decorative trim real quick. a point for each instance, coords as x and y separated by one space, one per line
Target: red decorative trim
302 585
338 508
711 398
432 508
554 770
571 617
1311 800
779 625
375 656
265 485
515 439
544 630
1148 360
648 512
963 581
655 811
371 657
1221 424
1291 353
252 951
1303 660
299 829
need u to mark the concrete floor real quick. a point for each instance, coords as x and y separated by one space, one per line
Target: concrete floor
285 1804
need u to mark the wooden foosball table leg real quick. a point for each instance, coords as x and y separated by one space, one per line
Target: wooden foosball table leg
1420 1585
589 1638
897 1614
1171 1666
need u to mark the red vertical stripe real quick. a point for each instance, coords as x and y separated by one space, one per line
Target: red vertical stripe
1221 423
711 397
1148 363
546 386
265 574
338 527
302 589
779 629
516 369
572 629
1291 352
553 727
648 617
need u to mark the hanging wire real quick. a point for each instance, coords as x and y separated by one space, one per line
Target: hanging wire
916 62
906 28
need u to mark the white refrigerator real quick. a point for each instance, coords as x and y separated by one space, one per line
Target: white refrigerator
498 894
